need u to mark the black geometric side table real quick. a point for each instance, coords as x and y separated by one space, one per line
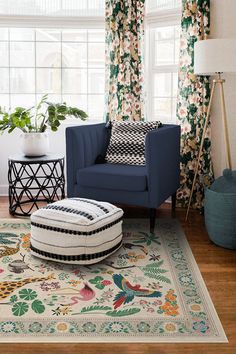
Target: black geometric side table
33 180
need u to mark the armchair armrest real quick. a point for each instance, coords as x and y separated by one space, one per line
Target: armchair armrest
83 145
163 163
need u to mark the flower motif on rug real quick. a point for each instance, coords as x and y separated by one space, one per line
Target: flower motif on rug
170 307
148 289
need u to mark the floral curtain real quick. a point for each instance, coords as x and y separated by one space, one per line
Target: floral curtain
192 104
124 61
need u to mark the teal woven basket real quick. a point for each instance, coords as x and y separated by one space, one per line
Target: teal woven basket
220 210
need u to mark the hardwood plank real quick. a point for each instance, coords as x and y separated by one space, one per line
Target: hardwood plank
218 268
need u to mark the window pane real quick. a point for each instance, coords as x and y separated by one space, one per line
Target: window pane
83 7
53 8
162 109
164 53
22 34
175 84
164 33
48 81
176 51
72 35
48 54
3 34
51 98
4 82
96 107
48 35
74 81
24 101
4 101
22 80
96 35
96 80
74 55
22 54
96 54
174 102
177 32
79 101
4 54
154 5
64 63
162 84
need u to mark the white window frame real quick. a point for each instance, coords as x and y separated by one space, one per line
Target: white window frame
156 19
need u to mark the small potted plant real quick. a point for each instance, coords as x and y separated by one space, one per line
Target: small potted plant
35 121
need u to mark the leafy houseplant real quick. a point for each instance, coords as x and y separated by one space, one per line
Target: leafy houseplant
35 121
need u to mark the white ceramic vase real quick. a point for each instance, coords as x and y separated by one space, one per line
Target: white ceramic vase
35 144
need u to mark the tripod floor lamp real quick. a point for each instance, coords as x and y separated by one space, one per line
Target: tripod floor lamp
214 56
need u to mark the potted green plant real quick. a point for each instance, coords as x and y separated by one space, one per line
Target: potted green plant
35 122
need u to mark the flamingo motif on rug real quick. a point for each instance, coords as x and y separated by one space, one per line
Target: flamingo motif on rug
86 294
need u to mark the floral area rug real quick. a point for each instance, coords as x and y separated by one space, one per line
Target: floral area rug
150 290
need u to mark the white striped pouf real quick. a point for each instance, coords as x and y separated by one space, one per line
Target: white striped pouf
76 231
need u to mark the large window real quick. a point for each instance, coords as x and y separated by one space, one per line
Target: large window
163 31
64 55
67 64
55 47
164 56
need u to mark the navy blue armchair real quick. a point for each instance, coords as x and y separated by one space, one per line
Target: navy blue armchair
147 186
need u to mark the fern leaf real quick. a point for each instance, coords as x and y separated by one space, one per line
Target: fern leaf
95 308
120 313
154 265
158 277
161 270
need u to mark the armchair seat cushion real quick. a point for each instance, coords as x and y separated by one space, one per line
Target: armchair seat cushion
114 176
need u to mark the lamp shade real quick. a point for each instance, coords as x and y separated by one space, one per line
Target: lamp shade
214 55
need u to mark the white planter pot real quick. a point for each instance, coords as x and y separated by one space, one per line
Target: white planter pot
35 144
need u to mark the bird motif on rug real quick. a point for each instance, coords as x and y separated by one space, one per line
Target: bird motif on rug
85 294
129 291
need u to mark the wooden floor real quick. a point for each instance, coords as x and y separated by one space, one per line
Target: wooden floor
218 267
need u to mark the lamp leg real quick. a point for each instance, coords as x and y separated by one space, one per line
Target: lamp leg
200 149
226 132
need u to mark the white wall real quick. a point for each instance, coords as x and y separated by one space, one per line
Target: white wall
223 25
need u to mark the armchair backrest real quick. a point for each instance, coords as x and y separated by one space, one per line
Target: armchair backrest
83 144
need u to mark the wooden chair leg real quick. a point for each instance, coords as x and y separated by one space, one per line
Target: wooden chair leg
152 219
173 201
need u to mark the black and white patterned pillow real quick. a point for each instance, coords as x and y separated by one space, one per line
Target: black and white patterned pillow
127 142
